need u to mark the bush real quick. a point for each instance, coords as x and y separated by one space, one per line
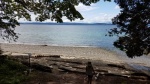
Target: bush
11 72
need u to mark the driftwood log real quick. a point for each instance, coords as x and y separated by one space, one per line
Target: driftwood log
37 66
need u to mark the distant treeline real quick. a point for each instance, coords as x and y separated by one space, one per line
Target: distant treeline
49 23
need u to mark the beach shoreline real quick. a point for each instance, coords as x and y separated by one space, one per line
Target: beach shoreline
71 52
91 53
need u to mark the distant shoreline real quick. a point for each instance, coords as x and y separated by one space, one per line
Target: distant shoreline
65 23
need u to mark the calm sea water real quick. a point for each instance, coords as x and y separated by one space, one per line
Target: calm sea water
66 35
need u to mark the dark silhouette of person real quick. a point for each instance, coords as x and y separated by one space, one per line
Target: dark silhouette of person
89 72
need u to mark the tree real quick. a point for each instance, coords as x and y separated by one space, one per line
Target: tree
134 23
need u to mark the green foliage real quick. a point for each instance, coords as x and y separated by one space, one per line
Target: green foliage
11 72
133 22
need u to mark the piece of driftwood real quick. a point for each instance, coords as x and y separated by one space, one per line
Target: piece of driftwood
73 66
118 66
66 69
52 56
37 66
139 77
65 61
138 74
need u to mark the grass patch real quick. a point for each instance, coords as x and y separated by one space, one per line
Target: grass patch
11 72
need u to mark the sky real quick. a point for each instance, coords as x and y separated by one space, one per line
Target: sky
101 12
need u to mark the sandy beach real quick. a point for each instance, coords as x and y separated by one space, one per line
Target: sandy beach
68 52
90 53
72 60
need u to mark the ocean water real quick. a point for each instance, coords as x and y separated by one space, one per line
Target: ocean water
66 35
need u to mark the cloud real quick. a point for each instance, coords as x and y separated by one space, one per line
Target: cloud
101 18
117 7
83 8
33 16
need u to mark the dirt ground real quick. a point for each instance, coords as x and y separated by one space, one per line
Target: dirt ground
38 77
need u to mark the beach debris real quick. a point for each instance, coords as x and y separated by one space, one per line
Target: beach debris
19 55
7 53
44 45
47 64
116 65
53 56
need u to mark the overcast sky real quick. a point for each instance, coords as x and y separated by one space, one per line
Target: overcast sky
101 12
